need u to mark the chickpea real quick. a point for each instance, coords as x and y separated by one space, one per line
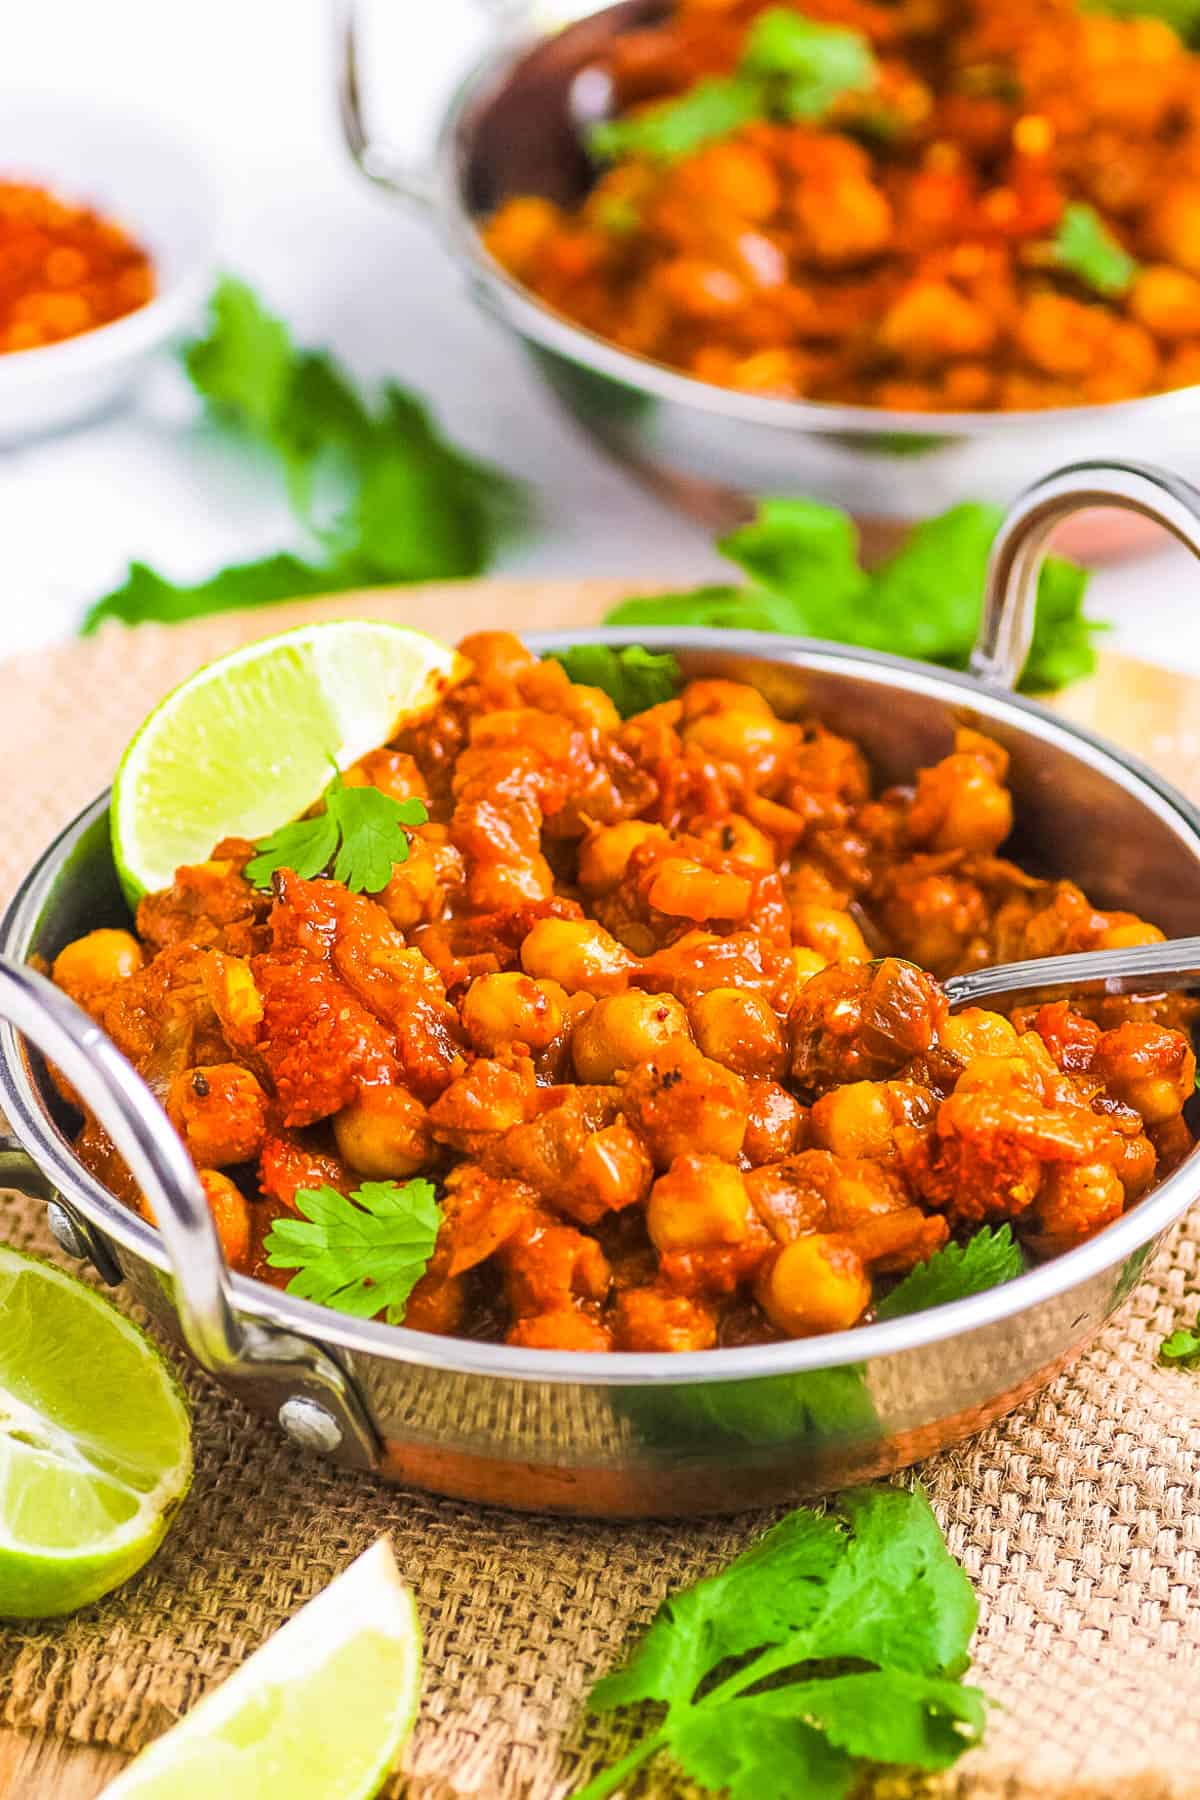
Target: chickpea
736 837
751 740
605 854
622 1030
699 1204
855 1120
815 1284
1136 1164
579 955
1123 932
384 1134
1149 1067
832 933
717 695
1167 302
775 1124
1076 1201
1000 1072
737 1028
231 1216
220 1111
806 963
91 964
498 1010
961 803
976 1032
591 707
930 320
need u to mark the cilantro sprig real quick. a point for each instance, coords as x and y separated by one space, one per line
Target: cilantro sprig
633 678
360 835
1084 247
834 1643
923 602
955 1271
1182 1349
379 494
790 67
363 1255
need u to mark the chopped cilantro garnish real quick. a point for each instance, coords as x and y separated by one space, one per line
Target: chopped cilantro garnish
363 1255
360 833
790 68
633 678
1085 247
954 1271
1182 1348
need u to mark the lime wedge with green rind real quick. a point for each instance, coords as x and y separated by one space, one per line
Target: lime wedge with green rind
95 1442
249 742
320 1712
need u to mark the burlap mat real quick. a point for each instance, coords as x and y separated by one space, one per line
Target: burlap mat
1078 1518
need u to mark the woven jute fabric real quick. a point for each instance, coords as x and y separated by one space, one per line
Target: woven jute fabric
1077 1518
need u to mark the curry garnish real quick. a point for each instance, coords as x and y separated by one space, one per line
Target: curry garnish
363 1254
836 1642
359 836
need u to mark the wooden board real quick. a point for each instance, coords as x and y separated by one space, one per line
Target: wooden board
1151 711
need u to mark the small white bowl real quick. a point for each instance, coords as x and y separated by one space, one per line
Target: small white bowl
134 172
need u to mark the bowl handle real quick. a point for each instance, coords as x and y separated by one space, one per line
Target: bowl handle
316 1401
382 163
1006 626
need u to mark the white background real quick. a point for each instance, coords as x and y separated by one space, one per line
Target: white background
251 83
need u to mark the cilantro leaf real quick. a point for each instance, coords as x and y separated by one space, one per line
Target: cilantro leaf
144 595
307 846
372 839
674 128
790 67
363 1255
1084 246
1182 1348
378 492
360 832
1183 16
923 602
633 678
954 1271
834 1642
817 63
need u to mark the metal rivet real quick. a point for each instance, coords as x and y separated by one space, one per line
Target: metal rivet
65 1231
308 1424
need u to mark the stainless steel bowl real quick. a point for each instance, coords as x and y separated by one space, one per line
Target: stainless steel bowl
641 1434
509 129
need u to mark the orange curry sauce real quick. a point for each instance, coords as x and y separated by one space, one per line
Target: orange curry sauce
634 1002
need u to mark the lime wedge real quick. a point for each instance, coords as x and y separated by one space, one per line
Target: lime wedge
245 745
95 1444
320 1712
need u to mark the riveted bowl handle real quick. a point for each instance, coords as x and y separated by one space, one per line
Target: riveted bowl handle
315 1399
139 1128
1006 626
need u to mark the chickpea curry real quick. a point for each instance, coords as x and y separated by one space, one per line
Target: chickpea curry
922 205
655 1003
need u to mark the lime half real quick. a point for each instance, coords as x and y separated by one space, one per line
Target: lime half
320 1712
95 1444
245 745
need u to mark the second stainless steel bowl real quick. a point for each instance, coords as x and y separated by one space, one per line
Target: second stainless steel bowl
509 130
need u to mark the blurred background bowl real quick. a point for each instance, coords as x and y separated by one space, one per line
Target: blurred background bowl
137 174
510 129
